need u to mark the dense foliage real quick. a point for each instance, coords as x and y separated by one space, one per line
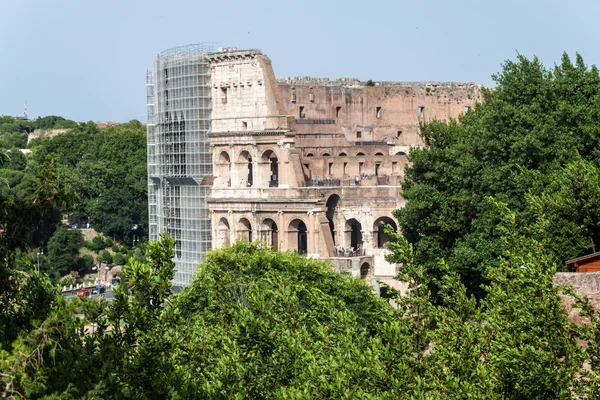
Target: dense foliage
532 143
107 169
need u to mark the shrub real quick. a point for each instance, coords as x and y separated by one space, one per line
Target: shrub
67 280
105 256
119 259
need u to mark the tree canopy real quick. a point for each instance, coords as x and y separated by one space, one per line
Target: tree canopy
107 169
532 143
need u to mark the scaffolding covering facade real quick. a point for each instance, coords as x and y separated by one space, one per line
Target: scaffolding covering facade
179 158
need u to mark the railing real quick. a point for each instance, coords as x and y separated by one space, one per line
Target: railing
323 182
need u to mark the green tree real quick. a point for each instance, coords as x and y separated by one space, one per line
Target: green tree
63 249
513 144
105 256
119 259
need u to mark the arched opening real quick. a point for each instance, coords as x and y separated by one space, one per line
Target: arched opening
223 233
379 154
245 169
224 168
333 202
310 155
400 153
364 270
342 154
381 238
325 154
269 157
269 233
354 234
244 230
297 236
360 154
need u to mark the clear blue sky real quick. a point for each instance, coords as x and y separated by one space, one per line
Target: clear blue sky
86 59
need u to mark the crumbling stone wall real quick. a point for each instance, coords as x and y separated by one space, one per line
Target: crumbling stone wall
585 284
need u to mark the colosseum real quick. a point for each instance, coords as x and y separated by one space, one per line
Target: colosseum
313 165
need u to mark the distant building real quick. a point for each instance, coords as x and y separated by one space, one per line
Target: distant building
304 164
107 124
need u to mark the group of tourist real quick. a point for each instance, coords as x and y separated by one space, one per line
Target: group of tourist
349 251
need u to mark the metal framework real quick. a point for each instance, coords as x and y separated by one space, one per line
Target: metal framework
179 158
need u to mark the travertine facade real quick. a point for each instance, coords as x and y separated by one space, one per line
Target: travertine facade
313 165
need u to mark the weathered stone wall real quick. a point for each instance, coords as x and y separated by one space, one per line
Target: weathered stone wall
344 119
585 284
244 93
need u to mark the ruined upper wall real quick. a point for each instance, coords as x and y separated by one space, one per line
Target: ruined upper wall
387 112
456 90
245 93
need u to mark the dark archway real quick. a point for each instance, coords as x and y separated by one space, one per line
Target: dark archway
364 270
270 157
333 202
381 237
298 236
353 232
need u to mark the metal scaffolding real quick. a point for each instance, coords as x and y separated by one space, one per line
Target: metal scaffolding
179 109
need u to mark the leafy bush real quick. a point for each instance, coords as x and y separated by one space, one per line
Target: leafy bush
115 247
105 256
108 241
97 244
119 259
67 280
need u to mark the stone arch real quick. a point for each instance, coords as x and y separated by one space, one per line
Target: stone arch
364 270
342 154
400 153
332 206
244 230
245 174
325 155
359 154
271 162
224 168
353 233
298 236
379 236
269 233
379 153
310 155
223 233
